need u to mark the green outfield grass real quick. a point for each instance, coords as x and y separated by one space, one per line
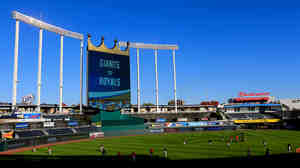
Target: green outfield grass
197 146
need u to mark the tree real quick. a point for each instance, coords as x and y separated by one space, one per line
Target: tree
179 102
148 104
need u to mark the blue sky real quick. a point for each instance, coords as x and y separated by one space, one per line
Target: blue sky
224 46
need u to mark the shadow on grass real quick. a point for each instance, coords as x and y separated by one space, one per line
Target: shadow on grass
141 160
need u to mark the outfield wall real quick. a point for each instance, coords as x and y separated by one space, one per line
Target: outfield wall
35 141
160 127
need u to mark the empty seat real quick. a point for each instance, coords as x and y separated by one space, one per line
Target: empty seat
62 131
33 133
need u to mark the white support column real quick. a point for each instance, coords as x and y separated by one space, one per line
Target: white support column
61 73
155 47
39 71
138 80
174 69
156 80
15 78
81 74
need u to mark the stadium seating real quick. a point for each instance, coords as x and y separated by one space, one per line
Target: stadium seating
86 129
249 116
55 117
61 131
33 133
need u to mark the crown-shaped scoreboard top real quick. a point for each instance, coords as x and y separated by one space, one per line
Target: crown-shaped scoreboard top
102 47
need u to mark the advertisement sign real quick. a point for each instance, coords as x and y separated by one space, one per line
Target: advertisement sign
20 116
213 123
196 124
48 124
108 80
72 123
257 121
156 130
96 134
20 120
32 116
182 119
176 124
161 120
21 125
156 125
242 94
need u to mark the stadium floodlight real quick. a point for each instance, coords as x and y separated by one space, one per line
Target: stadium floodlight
35 22
154 47
44 26
149 46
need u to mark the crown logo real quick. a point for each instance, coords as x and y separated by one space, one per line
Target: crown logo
102 47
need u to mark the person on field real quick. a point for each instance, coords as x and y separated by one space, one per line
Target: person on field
289 148
102 150
228 144
267 152
165 151
265 143
133 155
185 141
119 155
237 138
49 150
249 152
151 152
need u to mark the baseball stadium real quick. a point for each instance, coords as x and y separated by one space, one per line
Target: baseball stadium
108 128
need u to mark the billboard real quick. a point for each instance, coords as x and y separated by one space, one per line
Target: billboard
27 115
32 116
195 124
156 130
72 123
182 119
176 124
108 77
275 120
21 125
96 134
48 124
161 120
156 125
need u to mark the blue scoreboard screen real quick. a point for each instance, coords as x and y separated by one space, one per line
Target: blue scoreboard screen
108 80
